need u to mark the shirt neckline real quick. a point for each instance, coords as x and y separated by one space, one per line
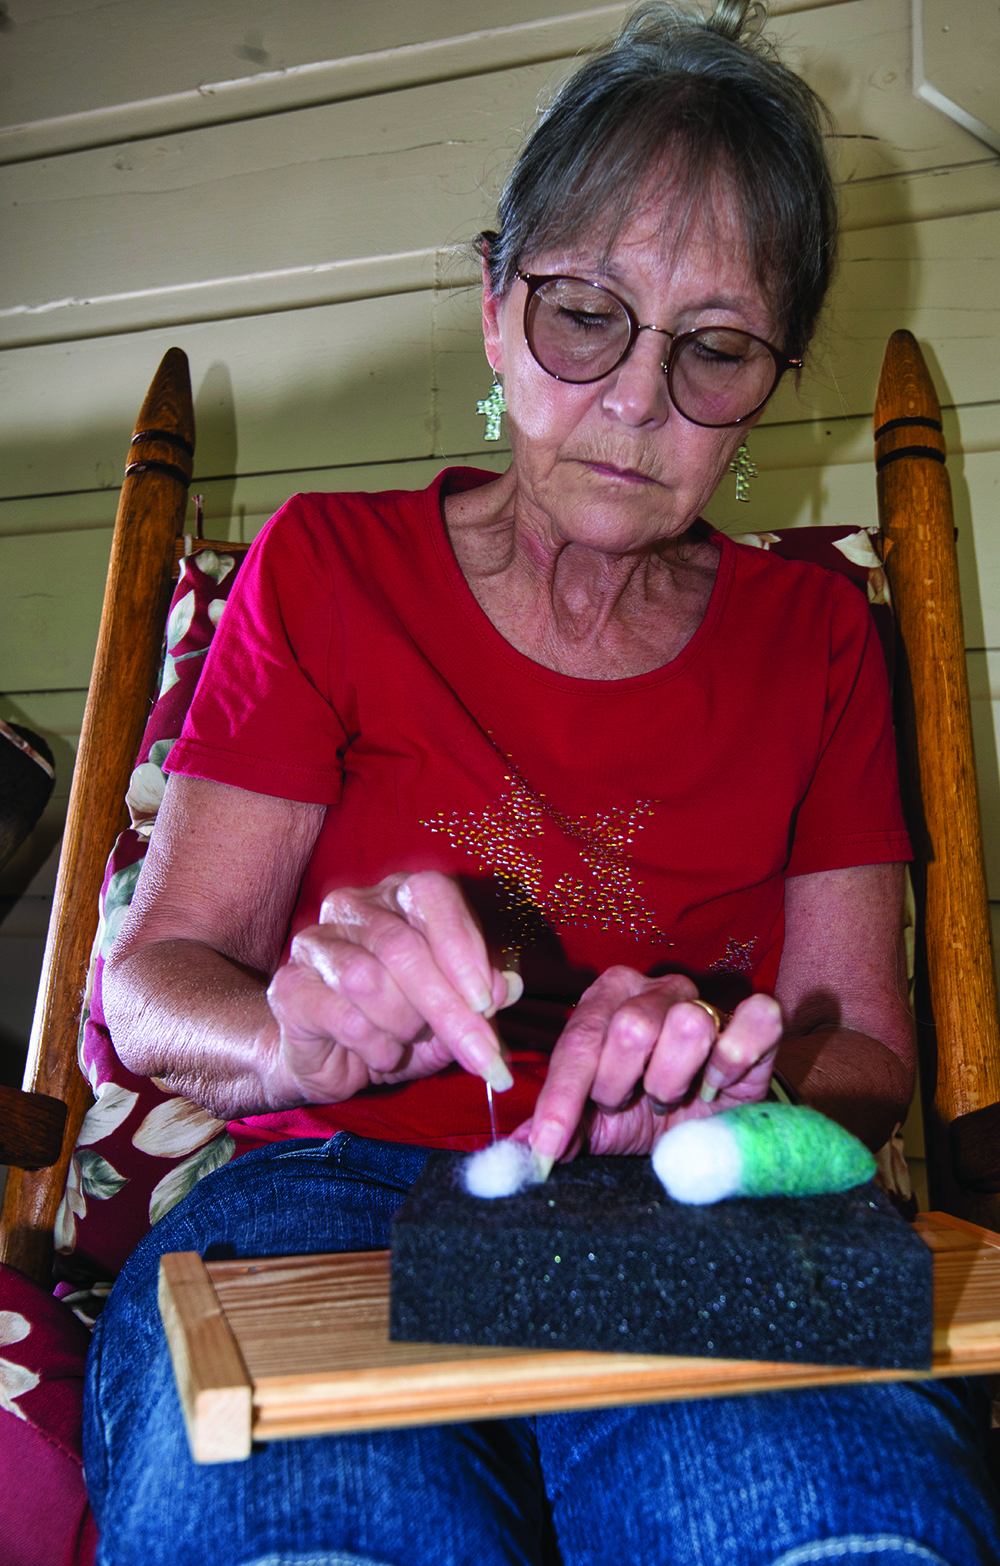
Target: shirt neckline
457 479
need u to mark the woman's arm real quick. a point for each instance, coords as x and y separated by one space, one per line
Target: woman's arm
848 1046
392 983
185 983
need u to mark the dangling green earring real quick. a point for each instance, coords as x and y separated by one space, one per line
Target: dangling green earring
492 406
745 469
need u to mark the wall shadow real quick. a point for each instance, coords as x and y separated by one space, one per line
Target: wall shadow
216 449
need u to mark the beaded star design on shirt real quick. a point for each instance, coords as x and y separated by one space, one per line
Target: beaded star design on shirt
604 892
737 957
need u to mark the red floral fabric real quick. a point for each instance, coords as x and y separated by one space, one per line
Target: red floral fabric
44 1516
141 1147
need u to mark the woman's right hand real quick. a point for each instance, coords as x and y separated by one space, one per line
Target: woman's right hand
393 983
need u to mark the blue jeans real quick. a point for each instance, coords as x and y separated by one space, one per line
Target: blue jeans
881 1475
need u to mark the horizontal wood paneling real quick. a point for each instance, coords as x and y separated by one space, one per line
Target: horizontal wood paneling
361 196
398 377
51 589
339 384
74 71
239 60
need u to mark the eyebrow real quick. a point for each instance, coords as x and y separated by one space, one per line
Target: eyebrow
602 272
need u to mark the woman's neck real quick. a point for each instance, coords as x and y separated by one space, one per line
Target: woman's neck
578 610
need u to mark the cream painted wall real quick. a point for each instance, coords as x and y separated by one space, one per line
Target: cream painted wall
284 189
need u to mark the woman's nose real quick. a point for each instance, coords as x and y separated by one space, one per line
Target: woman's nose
637 391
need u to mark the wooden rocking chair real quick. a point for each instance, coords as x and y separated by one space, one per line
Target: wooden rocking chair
957 1000
39 1125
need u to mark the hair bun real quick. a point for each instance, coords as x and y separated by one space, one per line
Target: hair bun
657 21
738 20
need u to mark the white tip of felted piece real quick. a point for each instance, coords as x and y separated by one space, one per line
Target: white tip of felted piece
698 1161
500 1170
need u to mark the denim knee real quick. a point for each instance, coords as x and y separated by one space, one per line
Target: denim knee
314 1558
868 1549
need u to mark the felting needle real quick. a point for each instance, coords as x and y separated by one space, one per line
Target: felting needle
515 989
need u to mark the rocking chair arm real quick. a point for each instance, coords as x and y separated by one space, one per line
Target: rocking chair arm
31 1128
975 1149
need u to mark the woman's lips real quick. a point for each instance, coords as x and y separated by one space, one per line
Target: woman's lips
626 475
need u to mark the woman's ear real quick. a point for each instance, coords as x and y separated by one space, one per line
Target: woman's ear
491 322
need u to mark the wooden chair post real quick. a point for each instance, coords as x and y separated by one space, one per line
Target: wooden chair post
957 1004
150 516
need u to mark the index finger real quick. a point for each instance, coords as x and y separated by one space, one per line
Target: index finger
435 905
574 1063
426 939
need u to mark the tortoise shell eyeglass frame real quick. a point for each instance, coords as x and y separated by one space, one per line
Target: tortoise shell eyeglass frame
678 342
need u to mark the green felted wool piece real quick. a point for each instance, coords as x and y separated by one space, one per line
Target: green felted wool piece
791 1150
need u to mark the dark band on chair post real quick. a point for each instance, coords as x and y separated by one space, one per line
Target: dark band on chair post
169 468
908 451
168 437
933 447
157 465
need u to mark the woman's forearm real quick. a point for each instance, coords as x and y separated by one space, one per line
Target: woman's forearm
182 1013
853 1078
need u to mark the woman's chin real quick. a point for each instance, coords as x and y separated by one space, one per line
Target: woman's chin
612 514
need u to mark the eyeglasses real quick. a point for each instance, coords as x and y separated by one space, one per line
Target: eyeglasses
579 332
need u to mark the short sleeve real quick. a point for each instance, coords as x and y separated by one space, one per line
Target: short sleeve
263 717
851 814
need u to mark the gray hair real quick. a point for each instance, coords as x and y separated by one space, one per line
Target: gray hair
714 96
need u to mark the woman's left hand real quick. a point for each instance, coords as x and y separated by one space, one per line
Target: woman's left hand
632 1042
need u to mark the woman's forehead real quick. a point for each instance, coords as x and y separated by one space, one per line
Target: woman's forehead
669 215
660 237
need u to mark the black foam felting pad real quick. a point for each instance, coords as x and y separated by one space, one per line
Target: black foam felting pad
599 1257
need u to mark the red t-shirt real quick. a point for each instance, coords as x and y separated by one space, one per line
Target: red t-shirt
649 821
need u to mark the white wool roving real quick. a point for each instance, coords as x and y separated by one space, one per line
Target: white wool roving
699 1161
500 1170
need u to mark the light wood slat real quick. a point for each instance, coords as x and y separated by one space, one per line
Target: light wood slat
312 1332
281 206
215 1390
51 590
948 190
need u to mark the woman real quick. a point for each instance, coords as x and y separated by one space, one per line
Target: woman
543 744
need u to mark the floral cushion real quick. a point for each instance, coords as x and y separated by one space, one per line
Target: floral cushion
44 1516
141 1147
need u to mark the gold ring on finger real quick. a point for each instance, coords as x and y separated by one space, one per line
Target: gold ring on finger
715 1015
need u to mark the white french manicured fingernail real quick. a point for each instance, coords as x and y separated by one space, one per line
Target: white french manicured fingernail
709 1093
515 987
543 1166
478 997
498 1076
